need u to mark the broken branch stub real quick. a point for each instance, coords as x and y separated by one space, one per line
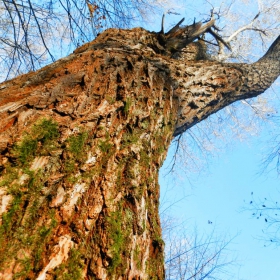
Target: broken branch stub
178 37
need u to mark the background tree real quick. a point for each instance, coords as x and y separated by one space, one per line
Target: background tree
34 33
192 255
267 211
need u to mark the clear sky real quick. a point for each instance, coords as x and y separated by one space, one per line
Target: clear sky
220 196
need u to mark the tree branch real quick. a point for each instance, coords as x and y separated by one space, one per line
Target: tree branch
221 85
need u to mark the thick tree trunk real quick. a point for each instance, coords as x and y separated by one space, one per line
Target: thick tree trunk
81 144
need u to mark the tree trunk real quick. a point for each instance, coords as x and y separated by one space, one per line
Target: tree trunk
81 144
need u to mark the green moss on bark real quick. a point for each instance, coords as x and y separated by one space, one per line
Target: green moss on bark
72 269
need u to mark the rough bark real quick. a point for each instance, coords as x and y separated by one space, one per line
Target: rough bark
81 144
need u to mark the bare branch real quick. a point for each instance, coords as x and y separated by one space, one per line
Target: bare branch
219 39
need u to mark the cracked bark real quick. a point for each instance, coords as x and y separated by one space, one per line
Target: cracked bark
81 144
